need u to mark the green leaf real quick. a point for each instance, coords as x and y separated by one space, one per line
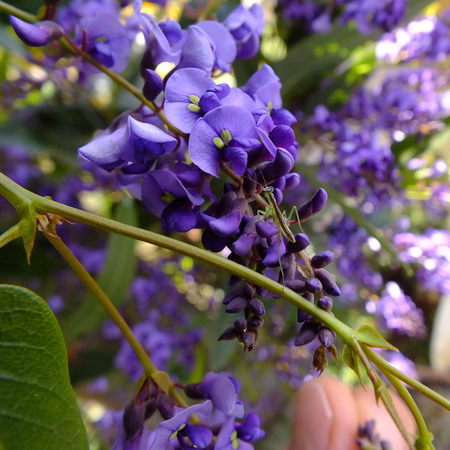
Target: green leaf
38 408
115 279
369 336
351 359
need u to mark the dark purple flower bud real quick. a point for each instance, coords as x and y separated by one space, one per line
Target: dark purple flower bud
150 408
255 322
328 283
166 406
248 339
36 34
322 259
198 435
307 334
313 285
313 206
240 325
301 242
302 316
228 335
320 360
266 229
133 419
238 304
257 307
194 391
326 336
153 84
325 303
296 285
243 244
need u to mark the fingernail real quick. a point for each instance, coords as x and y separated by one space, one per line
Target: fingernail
313 417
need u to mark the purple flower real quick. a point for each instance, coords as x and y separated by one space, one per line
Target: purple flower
224 44
224 134
246 26
166 196
36 34
189 94
178 428
126 141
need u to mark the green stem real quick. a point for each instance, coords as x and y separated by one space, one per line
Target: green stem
423 442
386 368
382 392
98 292
69 45
13 11
45 205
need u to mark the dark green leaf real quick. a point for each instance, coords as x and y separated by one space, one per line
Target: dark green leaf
38 407
115 278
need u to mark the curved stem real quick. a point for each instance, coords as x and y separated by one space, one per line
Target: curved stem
386 368
382 392
423 441
44 205
13 11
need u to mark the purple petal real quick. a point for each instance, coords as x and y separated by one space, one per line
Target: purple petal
196 51
36 34
227 224
238 159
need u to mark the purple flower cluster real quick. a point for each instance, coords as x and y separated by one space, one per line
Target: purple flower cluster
220 423
94 26
397 312
243 133
367 14
363 131
426 39
430 253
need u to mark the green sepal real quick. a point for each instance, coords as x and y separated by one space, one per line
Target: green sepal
351 360
27 226
162 379
369 336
